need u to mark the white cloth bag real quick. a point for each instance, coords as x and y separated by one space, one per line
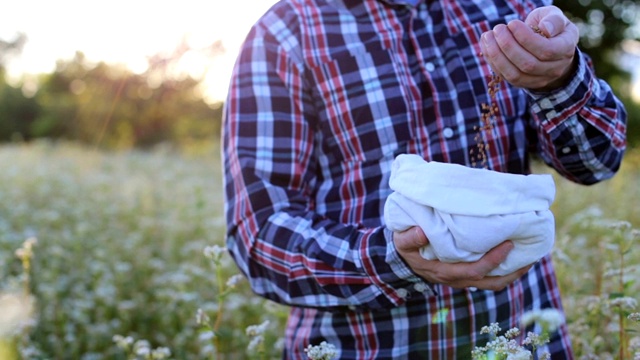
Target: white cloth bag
465 212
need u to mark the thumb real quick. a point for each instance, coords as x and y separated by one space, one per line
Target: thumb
549 19
411 239
552 25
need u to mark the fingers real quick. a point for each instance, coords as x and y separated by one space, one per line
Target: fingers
472 272
524 58
549 19
457 275
410 240
544 48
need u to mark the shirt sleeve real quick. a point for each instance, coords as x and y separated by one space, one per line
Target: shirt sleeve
290 253
581 127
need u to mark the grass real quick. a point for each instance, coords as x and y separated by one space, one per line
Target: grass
120 240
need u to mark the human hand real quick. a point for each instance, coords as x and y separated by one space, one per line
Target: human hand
525 59
457 275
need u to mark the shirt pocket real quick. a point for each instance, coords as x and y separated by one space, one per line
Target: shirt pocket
363 108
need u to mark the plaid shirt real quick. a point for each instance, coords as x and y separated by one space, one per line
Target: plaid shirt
324 95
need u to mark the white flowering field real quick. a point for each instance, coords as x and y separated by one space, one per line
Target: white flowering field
118 256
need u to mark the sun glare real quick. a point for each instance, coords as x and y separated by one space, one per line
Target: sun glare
128 32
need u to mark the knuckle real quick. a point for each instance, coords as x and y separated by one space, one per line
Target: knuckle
528 66
547 55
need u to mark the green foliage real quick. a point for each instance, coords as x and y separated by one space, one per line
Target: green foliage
633 122
110 107
120 251
17 112
603 26
595 264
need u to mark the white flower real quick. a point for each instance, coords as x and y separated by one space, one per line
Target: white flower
26 251
550 319
492 329
255 342
324 351
255 330
206 336
122 342
624 303
142 348
512 333
534 339
202 318
634 316
160 353
521 354
213 252
234 280
619 225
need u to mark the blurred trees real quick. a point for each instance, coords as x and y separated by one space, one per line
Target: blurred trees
17 112
604 26
110 107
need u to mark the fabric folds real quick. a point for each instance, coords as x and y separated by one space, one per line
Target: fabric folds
465 212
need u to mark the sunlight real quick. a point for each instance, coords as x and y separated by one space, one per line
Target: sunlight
127 32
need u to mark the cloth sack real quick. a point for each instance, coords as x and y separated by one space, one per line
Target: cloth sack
465 212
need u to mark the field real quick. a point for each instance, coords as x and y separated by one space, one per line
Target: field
120 243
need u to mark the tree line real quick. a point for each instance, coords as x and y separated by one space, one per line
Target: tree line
108 106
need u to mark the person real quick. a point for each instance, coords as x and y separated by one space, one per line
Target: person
326 93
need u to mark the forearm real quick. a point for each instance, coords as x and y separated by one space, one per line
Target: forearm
302 259
581 127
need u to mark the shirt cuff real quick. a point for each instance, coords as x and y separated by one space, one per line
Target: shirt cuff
403 271
554 106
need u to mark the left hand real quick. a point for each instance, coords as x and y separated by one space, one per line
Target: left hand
526 59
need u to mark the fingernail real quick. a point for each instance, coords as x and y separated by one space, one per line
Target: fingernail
549 26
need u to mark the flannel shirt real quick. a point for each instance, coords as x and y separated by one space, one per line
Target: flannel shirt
324 95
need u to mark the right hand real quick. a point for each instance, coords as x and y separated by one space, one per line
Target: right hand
457 275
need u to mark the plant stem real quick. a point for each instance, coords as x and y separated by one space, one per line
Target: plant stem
621 316
218 321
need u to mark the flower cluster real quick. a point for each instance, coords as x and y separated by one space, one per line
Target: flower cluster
549 319
507 347
141 349
256 333
324 351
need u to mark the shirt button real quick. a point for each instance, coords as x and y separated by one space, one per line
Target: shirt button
420 287
566 150
429 66
447 132
402 293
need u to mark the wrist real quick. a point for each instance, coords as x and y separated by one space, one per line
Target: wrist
564 79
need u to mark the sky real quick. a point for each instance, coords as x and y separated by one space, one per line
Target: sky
128 31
